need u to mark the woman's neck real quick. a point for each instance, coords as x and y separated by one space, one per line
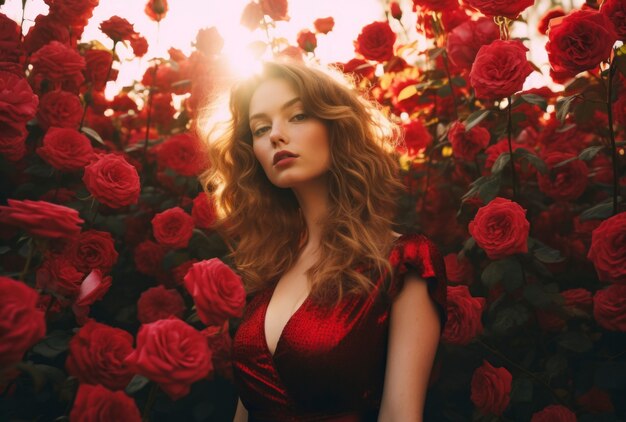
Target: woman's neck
313 200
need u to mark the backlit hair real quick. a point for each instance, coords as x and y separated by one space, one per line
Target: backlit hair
263 224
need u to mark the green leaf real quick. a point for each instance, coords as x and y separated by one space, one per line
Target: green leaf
521 390
538 296
535 99
501 162
509 318
174 258
53 344
547 254
556 364
599 212
588 153
488 190
92 134
507 271
136 384
475 118
532 159
562 107
435 52
574 341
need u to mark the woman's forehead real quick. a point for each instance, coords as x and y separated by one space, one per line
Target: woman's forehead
271 95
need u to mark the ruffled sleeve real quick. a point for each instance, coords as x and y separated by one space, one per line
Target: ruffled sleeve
417 255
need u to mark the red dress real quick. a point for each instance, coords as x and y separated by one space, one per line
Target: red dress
329 363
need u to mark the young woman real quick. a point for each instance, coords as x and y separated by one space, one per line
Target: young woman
344 315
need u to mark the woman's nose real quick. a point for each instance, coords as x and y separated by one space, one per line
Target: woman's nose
277 133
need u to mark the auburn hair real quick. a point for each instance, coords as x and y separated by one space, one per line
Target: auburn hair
263 224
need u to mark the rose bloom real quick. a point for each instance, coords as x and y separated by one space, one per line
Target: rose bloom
416 137
220 344
66 149
96 403
59 64
500 69
173 227
47 28
500 228
21 323
18 104
148 257
595 400
58 275
464 316
216 290
436 5
12 141
156 9
10 40
491 389
615 10
359 67
97 353
375 42
307 40
139 45
465 40
252 15
458 270
73 12
98 63
544 23
466 144
41 218
554 413
395 10
324 25
203 211
578 298
566 182
59 109
92 249
506 8
183 153
92 289
118 29
159 303
173 354
209 41
112 181
275 9
608 249
609 307
580 41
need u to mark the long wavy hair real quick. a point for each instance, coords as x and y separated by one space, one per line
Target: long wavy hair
265 222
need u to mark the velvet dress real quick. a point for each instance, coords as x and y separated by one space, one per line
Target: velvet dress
329 362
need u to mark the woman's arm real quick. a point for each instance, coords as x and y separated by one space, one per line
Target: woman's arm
414 329
241 415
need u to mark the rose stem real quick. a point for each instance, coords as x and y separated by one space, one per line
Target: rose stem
609 110
509 128
149 402
29 258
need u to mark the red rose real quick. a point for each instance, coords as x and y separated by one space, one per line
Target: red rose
416 137
59 109
216 290
465 40
98 63
209 41
458 270
180 271
491 389
183 153
162 109
595 400
21 323
156 9
361 68
92 289
578 298
566 182
506 8
609 307
73 12
324 25
464 316
47 28
544 23
10 40
252 15
66 149
203 211
554 413
173 227
615 10
148 257
97 353
58 275
466 144
12 141
580 41
307 40
171 353
112 181
608 249
118 29
18 104
395 10
159 303
275 9
59 64
139 45
500 69
375 42
95 403
41 218
436 5
92 249
501 228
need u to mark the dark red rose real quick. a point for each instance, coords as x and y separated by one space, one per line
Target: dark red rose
95 403
506 8
544 23
458 271
464 316
220 344
549 321
615 10
500 69
179 272
554 413
577 299
375 42
216 290
275 9
59 109
395 10
595 400
252 15
73 12
436 5
41 218
500 228
59 64
416 137
609 307
98 64
10 40
465 40
12 141
162 109
118 29
97 353
139 45
307 40
149 257
566 182
203 211
123 103
112 181
18 104
171 353
92 249
608 249
491 389
324 25
21 323
209 41
159 303
183 153
66 149
466 144
580 41
173 227
156 9
58 275
46 29
361 68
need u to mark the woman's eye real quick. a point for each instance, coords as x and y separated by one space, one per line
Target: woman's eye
260 131
299 117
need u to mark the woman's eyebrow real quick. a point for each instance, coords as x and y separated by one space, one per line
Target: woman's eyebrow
283 107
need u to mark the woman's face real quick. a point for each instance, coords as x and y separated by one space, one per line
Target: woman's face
279 123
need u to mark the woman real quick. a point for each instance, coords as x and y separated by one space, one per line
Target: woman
345 314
